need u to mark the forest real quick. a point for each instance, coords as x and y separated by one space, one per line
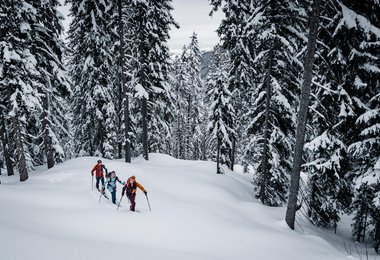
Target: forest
112 89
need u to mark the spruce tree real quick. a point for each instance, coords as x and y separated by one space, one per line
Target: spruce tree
275 30
49 51
240 48
20 78
91 65
151 23
222 113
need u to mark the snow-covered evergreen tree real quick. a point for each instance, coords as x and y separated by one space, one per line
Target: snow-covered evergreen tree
275 29
49 49
178 82
20 78
365 150
222 113
151 21
91 67
347 68
241 51
189 97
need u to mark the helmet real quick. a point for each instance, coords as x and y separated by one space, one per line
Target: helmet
99 161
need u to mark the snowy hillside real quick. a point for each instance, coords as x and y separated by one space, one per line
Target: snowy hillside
196 214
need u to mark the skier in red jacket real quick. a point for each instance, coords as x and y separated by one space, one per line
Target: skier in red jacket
99 168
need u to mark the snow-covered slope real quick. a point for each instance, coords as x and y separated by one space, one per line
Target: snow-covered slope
196 214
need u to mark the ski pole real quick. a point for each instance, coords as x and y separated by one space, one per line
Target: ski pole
101 193
92 183
118 205
100 197
146 196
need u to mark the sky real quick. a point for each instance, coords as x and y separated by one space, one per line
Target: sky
194 214
192 16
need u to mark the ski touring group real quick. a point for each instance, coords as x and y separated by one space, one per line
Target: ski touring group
129 187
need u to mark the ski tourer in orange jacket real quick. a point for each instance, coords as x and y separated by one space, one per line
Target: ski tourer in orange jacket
130 189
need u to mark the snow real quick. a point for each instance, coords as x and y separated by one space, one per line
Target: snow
352 20
196 214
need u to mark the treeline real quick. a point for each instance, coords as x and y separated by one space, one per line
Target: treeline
113 91
264 46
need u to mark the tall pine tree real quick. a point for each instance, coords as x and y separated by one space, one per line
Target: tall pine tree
91 65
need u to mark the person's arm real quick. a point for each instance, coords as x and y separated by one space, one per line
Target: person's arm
93 169
105 169
141 187
123 191
121 182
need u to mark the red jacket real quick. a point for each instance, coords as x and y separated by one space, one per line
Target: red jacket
98 169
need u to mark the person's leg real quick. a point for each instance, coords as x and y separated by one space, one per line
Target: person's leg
133 202
97 182
131 199
102 179
113 194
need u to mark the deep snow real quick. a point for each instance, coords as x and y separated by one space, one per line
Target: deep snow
196 214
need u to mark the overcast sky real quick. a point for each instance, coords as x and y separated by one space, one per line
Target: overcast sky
192 16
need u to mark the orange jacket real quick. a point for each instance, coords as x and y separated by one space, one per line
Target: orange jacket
130 188
98 169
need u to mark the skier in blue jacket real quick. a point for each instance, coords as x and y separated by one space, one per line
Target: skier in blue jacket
111 179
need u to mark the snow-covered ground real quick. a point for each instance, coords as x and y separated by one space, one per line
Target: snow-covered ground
196 215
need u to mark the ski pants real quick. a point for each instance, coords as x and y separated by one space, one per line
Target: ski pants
113 195
132 197
97 181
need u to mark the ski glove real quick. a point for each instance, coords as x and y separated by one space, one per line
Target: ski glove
145 192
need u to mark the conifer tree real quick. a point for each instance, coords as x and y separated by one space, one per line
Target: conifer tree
346 81
151 23
91 64
189 100
49 49
20 78
240 47
275 30
222 113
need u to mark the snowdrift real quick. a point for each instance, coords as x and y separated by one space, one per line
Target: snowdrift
196 214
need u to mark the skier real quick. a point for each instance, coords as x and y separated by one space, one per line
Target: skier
111 179
99 168
130 190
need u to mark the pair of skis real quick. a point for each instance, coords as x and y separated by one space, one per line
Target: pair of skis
102 192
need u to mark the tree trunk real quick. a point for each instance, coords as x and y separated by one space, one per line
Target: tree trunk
377 233
188 129
123 85
20 153
45 124
145 128
264 162
4 140
232 154
302 115
47 140
218 171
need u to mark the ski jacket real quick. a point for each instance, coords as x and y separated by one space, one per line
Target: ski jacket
98 169
130 188
111 183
